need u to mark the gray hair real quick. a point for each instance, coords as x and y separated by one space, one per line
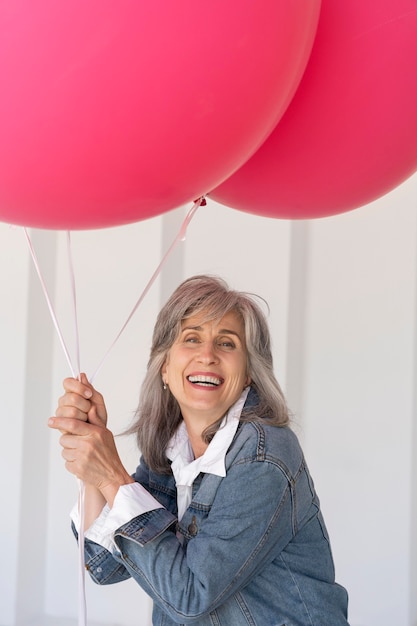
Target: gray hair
158 414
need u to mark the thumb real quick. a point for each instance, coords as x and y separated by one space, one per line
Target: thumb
83 378
94 418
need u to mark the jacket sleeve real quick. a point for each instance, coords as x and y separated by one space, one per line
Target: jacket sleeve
250 521
102 560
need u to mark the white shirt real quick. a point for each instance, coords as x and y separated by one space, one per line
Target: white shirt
133 499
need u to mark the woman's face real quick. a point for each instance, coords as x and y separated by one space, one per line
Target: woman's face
206 367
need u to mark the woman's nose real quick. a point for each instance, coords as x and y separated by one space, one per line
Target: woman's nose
207 353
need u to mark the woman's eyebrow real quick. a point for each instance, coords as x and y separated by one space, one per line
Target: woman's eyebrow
221 331
199 328
226 331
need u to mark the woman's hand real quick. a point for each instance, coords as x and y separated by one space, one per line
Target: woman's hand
82 402
88 446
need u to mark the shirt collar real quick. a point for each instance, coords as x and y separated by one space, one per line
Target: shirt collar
185 468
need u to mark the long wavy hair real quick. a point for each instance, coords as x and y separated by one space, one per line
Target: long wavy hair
158 414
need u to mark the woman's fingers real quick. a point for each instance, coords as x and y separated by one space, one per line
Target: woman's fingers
80 387
72 405
81 401
75 402
69 425
90 453
98 412
88 447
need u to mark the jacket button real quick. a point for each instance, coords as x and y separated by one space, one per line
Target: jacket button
192 528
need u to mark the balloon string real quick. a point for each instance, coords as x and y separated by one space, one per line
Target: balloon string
82 613
82 601
81 584
180 237
49 303
74 302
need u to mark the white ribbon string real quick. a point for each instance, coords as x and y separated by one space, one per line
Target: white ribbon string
49 303
74 302
180 237
82 609
82 601
82 605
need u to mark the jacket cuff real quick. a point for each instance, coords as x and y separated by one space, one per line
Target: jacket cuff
146 527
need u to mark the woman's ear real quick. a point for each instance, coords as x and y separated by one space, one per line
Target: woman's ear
164 371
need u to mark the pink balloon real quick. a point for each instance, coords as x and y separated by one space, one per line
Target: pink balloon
112 112
350 133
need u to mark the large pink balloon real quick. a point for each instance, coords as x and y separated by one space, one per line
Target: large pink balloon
112 111
350 133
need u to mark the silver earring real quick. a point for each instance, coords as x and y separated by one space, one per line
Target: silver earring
164 385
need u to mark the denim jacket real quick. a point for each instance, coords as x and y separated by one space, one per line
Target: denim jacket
252 548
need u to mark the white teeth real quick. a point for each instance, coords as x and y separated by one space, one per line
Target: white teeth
204 380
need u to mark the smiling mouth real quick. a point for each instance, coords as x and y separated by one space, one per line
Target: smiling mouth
205 381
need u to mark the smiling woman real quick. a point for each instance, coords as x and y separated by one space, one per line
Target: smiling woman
221 481
206 371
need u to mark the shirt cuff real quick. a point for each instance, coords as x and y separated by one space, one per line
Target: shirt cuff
131 500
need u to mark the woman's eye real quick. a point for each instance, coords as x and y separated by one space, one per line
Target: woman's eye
226 343
191 339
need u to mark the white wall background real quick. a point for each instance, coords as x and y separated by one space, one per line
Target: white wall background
342 294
